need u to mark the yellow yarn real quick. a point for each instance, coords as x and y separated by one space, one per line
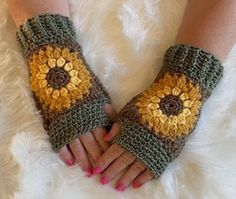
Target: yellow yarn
170 126
78 85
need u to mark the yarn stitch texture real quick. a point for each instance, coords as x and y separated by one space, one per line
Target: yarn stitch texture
69 95
157 122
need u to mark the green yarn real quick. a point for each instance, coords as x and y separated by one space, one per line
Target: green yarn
77 121
45 29
200 66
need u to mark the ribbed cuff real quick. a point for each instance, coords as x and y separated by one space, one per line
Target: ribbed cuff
197 64
139 141
80 119
45 29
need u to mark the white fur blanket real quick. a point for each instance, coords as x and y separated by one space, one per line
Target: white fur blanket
124 42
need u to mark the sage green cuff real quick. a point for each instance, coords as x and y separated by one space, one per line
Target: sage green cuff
81 119
200 66
45 29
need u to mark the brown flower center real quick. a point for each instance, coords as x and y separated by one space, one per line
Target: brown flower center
171 105
57 77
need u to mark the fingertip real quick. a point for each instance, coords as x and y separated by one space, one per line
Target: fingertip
120 187
69 162
89 172
66 156
136 184
97 171
104 180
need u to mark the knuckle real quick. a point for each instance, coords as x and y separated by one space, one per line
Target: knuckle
115 150
126 159
137 166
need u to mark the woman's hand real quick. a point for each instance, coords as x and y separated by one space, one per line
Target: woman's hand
87 149
115 160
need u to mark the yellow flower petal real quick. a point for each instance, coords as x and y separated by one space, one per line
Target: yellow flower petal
43 68
61 62
49 91
70 86
43 83
75 80
49 52
183 96
73 73
52 63
163 118
57 53
153 106
65 52
41 76
167 90
68 66
188 103
160 93
176 91
186 112
155 99
63 92
55 94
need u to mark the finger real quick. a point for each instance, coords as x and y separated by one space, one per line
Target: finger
117 166
66 156
99 133
143 178
115 130
110 111
91 146
135 170
107 158
80 155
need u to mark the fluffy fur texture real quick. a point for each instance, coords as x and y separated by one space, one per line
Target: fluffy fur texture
124 42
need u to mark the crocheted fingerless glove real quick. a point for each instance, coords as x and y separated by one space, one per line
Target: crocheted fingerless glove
156 123
69 95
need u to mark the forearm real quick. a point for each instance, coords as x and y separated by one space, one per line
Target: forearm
210 25
25 9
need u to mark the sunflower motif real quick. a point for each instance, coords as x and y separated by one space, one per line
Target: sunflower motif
58 77
171 106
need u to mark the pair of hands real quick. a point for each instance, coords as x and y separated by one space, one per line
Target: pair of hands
95 156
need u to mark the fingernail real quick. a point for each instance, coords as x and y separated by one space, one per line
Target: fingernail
89 172
104 180
120 187
96 170
136 184
69 162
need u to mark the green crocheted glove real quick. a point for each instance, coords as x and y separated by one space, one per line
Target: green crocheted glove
156 123
69 95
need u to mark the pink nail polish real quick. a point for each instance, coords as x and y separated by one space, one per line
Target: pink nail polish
104 180
69 162
136 184
120 187
89 172
96 170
